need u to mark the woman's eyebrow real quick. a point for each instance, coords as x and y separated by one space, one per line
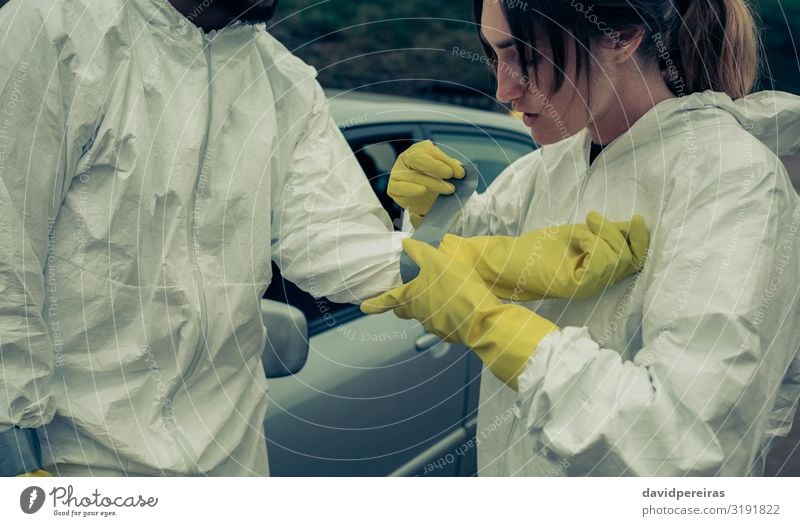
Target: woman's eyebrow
503 44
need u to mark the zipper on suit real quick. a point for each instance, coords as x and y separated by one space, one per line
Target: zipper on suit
590 165
190 456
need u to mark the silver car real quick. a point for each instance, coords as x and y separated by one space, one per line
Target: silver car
378 395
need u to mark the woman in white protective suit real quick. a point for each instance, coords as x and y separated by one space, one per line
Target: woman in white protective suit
687 368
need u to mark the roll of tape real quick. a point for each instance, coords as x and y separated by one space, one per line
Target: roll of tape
441 217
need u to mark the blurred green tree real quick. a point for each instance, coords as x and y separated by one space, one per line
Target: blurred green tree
780 31
400 47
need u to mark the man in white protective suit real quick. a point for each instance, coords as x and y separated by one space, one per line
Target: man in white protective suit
155 155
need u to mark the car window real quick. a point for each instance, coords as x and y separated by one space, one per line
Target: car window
490 153
376 157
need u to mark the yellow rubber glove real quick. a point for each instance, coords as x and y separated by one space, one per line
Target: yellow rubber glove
37 473
565 261
451 300
418 178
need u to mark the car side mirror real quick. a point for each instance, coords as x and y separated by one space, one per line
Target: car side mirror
286 350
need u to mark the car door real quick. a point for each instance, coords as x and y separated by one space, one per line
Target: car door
378 395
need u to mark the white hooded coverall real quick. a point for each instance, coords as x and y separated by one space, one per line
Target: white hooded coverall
150 172
689 367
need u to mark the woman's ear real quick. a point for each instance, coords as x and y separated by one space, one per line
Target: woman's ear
620 46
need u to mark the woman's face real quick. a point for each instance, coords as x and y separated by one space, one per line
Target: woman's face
550 118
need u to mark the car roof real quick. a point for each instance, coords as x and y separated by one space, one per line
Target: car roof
358 108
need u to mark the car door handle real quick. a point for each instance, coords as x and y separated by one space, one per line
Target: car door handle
426 341
431 342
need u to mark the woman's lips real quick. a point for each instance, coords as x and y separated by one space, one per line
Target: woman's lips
529 119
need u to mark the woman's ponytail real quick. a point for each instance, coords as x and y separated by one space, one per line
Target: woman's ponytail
718 46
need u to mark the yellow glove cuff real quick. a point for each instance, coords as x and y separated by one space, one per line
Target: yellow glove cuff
505 337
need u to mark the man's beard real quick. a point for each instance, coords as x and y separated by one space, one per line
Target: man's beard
250 11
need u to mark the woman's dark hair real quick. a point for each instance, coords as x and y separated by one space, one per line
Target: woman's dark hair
698 44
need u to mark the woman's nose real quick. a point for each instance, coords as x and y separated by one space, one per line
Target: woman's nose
510 83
